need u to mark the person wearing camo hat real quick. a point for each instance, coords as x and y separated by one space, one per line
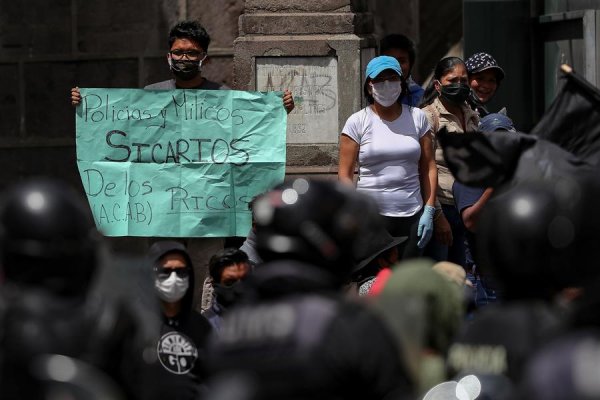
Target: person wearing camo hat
485 76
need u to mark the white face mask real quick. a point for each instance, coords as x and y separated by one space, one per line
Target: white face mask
172 289
386 93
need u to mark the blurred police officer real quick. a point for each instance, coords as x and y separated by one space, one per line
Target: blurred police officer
535 239
295 338
55 335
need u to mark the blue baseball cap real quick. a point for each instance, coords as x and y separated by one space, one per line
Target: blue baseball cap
496 122
382 63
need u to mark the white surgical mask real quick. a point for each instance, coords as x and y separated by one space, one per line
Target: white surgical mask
173 288
386 93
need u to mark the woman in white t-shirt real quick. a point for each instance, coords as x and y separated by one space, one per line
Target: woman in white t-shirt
393 145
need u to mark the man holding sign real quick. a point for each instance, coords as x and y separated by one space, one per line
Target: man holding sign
177 163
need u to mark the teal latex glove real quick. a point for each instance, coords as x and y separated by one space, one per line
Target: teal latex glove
425 229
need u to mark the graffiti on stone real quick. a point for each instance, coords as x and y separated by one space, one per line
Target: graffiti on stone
314 85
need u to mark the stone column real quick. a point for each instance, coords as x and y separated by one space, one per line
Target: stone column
318 49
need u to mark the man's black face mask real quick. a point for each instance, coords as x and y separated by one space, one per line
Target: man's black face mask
455 93
228 295
185 69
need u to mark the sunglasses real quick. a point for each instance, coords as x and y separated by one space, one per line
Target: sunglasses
164 273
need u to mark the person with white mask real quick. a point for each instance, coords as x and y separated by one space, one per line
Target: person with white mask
393 145
184 331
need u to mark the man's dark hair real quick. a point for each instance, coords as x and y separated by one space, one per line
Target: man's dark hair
224 258
399 41
191 30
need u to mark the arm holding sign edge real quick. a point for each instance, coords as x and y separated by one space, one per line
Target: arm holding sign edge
75 96
288 101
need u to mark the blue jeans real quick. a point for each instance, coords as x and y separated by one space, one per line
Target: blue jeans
456 252
483 292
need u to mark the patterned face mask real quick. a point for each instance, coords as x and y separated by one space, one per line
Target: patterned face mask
186 69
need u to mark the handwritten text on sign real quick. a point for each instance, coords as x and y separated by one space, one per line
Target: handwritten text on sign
178 163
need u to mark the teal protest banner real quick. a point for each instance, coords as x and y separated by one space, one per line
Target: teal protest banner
178 163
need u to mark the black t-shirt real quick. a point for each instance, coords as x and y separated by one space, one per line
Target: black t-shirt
180 369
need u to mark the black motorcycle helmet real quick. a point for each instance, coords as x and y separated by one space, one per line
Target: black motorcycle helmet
538 237
47 237
317 222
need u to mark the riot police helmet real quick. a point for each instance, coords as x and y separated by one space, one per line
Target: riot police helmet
47 237
535 238
315 221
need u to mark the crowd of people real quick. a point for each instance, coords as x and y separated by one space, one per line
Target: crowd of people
400 161
399 283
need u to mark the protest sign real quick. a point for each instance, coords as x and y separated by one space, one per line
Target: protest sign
178 163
